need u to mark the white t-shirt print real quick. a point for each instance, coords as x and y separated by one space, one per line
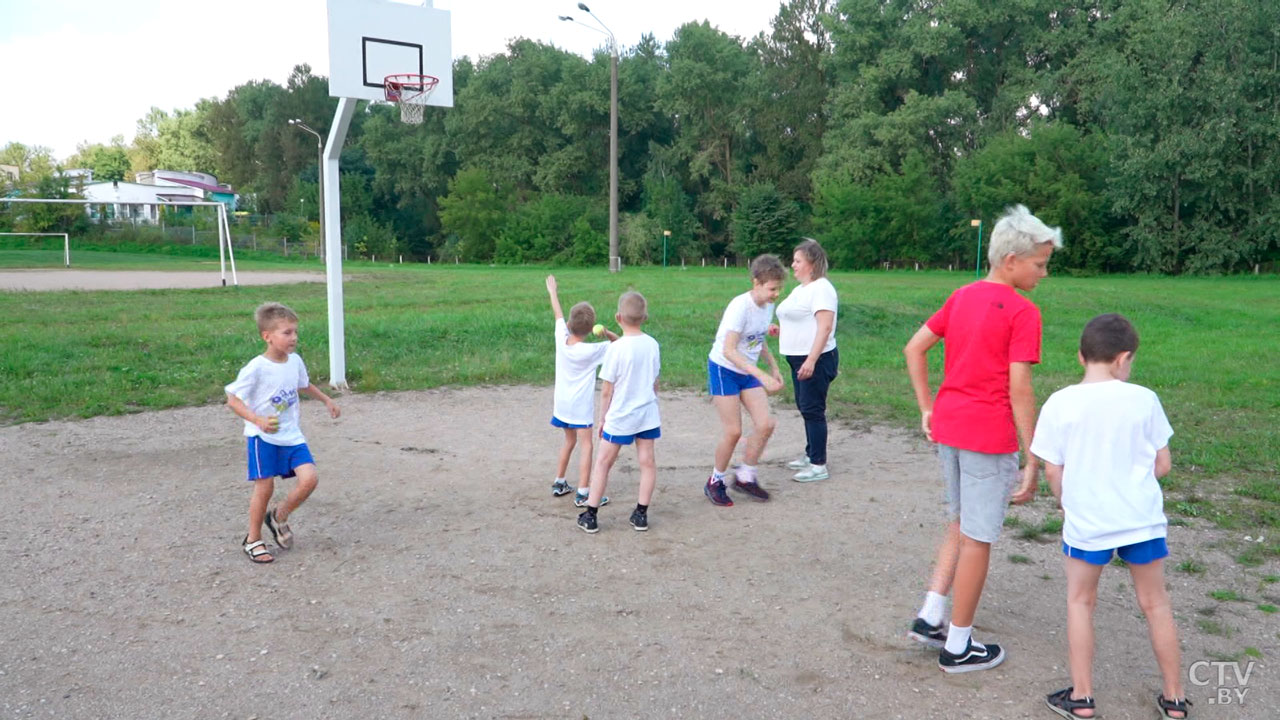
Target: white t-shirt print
269 388
1106 435
797 320
632 364
576 377
751 322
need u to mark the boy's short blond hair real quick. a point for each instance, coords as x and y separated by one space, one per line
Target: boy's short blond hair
633 308
767 268
268 314
1020 233
581 317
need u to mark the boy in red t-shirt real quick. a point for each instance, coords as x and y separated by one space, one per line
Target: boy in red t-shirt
984 413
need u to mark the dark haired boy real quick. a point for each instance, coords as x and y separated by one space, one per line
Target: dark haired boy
1104 443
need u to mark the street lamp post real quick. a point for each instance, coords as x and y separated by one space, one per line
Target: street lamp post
319 173
666 234
977 265
615 261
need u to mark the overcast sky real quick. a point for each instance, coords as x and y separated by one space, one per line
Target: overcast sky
85 70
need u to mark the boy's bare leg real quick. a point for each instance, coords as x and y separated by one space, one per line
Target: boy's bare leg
730 429
1082 597
584 458
1153 598
263 488
648 470
566 451
944 568
307 478
971 575
756 401
600 471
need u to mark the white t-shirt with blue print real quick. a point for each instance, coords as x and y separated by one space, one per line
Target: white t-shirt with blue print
751 322
271 389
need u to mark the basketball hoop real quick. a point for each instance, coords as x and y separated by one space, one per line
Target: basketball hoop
410 92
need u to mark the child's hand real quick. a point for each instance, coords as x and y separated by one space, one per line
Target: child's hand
267 424
551 284
773 384
1027 488
773 330
334 411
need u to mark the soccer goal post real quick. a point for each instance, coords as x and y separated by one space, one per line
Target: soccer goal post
148 216
66 243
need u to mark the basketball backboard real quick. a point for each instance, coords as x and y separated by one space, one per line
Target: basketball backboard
371 39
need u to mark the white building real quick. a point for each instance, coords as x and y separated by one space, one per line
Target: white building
138 201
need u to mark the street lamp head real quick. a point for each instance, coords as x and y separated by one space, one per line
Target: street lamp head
975 223
566 18
293 122
583 7
666 233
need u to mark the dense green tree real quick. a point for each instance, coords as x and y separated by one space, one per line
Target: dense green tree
765 221
474 210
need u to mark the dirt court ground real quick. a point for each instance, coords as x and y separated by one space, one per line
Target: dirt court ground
434 576
71 279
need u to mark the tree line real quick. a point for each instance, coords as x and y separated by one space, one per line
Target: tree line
1145 128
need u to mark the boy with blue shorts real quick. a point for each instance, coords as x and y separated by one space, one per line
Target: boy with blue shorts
984 413
573 408
265 394
629 403
734 378
1105 443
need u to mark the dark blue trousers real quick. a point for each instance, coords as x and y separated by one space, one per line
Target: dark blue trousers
811 400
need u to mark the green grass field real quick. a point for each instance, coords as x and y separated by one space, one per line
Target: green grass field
1208 348
15 259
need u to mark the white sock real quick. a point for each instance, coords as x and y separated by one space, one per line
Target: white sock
583 492
934 606
958 639
717 475
748 468
746 473
819 468
559 481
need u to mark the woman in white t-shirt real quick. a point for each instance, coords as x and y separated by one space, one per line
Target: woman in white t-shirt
807 339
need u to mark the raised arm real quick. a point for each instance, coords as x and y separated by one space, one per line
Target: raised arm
917 355
552 290
1023 399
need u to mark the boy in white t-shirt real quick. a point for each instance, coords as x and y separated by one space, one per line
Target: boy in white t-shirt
1104 443
265 394
735 380
573 409
629 403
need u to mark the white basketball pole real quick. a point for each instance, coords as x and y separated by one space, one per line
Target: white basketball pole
225 224
222 260
333 239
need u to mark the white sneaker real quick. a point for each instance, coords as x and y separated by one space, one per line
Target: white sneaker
799 464
812 474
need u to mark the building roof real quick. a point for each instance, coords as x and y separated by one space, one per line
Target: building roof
202 186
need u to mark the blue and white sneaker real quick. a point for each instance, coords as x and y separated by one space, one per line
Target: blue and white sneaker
580 499
560 487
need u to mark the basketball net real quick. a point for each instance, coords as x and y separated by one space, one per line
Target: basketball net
410 92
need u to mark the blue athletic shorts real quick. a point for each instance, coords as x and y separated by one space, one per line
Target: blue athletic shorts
1141 553
652 434
723 381
268 461
557 422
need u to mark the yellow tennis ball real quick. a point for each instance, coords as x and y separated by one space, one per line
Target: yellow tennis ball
598 330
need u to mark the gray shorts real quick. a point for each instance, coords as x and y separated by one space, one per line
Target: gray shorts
977 487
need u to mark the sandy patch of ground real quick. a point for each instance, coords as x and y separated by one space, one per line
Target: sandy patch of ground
141 279
434 576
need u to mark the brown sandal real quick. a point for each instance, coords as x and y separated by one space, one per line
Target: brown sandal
279 530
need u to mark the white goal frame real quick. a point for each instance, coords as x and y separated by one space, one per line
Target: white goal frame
225 251
66 243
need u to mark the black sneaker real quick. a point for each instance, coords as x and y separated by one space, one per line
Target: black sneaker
971 659
932 635
716 493
752 489
639 520
587 521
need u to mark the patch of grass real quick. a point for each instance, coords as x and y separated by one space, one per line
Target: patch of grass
1012 522
418 326
1019 559
1252 556
1050 525
1191 566
1269 609
1046 576
1271 579
1253 652
1118 561
1178 522
1212 627
1226 596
